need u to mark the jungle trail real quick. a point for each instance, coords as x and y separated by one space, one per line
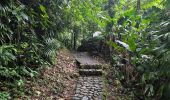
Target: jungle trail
84 49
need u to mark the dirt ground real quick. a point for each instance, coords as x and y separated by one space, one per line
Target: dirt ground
56 82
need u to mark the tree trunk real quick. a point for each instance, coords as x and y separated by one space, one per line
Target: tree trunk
111 13
72 40
138 8
75 32
74 45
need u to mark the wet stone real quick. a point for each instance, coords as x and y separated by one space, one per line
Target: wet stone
76 98
80 95
77 91
88 88
85 98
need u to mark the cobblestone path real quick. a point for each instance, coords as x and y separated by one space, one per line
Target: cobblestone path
89 85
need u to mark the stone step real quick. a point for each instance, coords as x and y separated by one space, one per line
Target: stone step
89 88
90 72
83 66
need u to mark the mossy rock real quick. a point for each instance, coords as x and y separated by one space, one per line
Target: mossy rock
91 44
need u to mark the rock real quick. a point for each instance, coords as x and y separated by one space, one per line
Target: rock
38 93
92 44
85 98
78 85
80 95
78 91
76 98
61 99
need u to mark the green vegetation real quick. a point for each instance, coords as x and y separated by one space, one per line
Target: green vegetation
28 41
136 32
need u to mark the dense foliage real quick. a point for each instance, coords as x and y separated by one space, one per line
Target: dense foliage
137 32
28 40
146 52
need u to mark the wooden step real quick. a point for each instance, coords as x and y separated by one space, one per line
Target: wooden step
90 72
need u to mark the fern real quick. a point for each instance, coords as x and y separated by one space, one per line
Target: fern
4 96
50 47
6 54
10 73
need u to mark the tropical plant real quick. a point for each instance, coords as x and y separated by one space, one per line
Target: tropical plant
28 40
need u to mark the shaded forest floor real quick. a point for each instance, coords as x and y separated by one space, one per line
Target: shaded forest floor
56 82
